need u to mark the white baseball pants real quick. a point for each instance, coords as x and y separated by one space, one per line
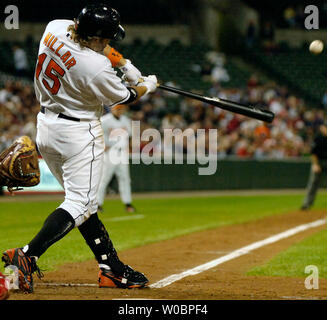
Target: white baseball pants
73 152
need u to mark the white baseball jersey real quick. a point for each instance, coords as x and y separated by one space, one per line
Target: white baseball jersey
74 81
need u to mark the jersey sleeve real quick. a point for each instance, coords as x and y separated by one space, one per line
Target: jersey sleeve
109 89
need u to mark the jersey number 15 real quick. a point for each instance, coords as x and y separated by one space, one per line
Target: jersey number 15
53 71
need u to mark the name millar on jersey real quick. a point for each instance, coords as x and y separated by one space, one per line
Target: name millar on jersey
51 41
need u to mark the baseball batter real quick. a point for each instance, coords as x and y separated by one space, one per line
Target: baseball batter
117 129
73 80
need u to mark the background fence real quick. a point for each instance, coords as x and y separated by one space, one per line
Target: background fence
230 175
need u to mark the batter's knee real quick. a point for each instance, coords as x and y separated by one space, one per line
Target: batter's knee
79 210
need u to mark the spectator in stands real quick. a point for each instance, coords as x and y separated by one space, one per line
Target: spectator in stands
268 36
324 101
219 74
252 82
276 105
323 12
251 34
20 61
290 17
262 132
6 92
206 71
300 16
216 62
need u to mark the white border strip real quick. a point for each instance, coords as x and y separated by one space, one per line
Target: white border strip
237 253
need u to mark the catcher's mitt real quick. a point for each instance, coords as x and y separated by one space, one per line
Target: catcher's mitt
19 165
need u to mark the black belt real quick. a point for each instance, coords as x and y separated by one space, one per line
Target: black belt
63 116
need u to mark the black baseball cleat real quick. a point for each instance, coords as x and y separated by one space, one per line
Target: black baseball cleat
26 267
128 280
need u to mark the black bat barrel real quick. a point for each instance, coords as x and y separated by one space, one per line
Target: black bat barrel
246 110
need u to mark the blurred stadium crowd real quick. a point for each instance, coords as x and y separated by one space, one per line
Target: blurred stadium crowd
290 135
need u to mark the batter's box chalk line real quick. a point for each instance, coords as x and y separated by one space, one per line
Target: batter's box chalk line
211 264
237 253
53 284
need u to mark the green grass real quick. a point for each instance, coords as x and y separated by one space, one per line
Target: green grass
293 261
163 219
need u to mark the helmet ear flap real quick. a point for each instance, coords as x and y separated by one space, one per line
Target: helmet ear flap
120 34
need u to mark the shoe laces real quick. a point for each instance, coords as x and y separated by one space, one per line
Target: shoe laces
130 271
36 269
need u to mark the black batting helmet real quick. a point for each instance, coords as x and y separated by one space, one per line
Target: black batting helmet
99 20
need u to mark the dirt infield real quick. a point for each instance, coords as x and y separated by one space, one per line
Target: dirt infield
226 281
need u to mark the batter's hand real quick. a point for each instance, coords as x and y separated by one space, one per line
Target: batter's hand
131 74
150 82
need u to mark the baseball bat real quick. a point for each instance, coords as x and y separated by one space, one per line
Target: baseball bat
246 110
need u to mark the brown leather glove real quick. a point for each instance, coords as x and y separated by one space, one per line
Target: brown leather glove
19 165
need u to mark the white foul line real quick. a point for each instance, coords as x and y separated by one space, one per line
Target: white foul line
130 217
237 253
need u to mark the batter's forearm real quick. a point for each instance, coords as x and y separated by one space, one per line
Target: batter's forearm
117 60
131 74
